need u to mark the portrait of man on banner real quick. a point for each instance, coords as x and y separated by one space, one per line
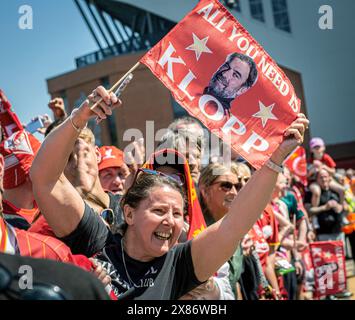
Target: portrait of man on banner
233 78
219 73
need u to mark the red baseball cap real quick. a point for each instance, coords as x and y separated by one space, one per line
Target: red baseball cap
110 157
19 150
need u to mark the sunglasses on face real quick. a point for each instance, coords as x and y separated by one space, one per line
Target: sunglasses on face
227 186
176 177
243 179
108 216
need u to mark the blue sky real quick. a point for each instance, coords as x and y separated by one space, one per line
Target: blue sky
29 57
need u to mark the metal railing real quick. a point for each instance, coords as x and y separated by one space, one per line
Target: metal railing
135 44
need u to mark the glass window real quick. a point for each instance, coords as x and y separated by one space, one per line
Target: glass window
63 95
105 82
281 18
257 10
96 129
233 4
111 121
178 110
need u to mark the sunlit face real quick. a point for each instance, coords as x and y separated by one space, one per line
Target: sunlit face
318 152
323 179
244 175
157 222
194 159
281 184
114 178
228 82
83 162
220 194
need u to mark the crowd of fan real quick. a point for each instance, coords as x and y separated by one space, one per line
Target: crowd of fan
133 232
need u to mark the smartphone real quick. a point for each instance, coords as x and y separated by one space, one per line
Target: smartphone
123 85
34 125
119 90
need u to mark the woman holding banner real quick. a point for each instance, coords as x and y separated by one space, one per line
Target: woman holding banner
143 261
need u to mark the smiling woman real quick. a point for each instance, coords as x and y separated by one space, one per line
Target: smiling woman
141 258
221 182
144 261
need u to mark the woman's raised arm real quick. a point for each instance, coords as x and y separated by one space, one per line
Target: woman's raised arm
214 246
57 199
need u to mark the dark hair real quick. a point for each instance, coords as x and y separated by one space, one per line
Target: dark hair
253 73
142 186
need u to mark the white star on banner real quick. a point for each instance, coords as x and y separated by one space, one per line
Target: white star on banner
199 46
327 255
265 113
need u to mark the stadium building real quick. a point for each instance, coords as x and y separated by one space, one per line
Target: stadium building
316 61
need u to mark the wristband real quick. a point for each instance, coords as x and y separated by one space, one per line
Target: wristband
77 129
274 167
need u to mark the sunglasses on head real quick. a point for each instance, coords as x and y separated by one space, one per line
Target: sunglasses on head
108 216
176 177
227 186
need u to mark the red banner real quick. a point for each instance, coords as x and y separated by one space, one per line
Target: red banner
297 163
329 267
222 76
8 119
308 282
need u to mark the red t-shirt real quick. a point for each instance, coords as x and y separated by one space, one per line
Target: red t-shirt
326 159
42 247
264 233
41 226
27 214
37 246
16 241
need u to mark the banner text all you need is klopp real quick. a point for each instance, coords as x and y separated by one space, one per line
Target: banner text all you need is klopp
223 77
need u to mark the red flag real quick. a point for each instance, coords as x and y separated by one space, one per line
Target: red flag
223 77
8 119
329 267
308 280
297 164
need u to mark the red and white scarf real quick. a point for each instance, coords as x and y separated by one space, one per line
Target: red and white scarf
8 241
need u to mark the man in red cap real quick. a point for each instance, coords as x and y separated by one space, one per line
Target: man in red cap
112 169
18 149
318 161
317 147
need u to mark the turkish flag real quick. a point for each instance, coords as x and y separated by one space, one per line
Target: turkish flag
329 267
222 76
297 164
